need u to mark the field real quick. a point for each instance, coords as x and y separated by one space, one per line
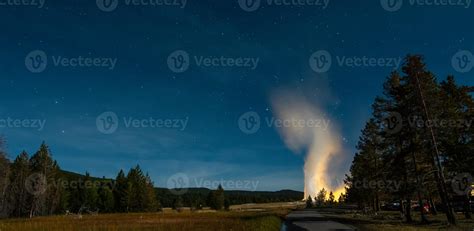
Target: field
260 217
151 221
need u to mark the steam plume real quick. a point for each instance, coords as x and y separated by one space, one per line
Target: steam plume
320 143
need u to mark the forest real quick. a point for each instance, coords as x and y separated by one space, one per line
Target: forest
416 150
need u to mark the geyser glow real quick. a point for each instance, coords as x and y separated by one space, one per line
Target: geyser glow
321 143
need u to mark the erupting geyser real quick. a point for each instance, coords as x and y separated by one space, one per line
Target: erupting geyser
312 132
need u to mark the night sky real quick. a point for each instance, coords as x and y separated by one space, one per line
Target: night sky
279 39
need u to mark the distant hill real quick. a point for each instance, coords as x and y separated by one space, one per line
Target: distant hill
193 197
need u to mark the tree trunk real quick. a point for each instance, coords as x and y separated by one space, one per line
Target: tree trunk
467 207
377 202
434 211
408 211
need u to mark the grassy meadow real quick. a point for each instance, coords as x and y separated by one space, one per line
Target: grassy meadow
151 221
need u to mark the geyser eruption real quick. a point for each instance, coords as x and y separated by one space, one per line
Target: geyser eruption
309 130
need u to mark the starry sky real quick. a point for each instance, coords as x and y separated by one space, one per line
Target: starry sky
142 84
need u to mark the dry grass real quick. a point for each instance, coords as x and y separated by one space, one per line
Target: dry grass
150 221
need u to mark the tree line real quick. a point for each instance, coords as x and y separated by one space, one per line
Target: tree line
324 199
37 186
418 138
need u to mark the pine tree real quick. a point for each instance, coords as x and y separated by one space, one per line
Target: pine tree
138 190
321 198
151 202
331 198
42 164
91 195
121 192
309 202
106 199
216 198
18 197
4 174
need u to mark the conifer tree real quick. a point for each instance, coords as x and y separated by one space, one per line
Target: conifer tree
121 192
18 197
